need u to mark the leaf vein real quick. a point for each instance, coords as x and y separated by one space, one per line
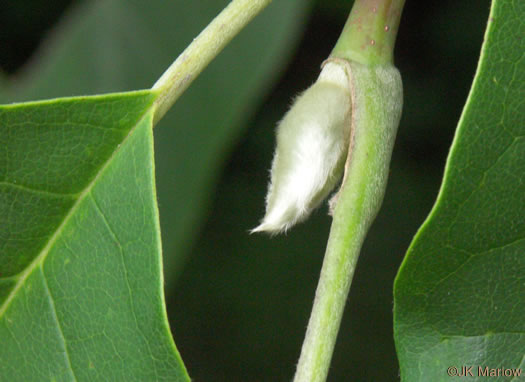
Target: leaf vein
36 191
480 184
59 326
126 277
45 251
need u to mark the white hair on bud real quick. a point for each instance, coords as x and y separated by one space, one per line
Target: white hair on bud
312 143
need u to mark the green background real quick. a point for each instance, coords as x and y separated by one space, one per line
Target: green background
239 304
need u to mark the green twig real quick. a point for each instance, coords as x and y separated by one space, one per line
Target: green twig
370 32
202 50
366 43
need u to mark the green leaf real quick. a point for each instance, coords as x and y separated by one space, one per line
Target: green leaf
81 294
459 295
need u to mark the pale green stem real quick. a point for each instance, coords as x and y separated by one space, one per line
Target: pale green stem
202 51
376 110
370 32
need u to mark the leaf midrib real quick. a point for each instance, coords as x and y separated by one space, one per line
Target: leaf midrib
39 260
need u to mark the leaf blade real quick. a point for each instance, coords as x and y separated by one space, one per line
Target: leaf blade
84 307
457 293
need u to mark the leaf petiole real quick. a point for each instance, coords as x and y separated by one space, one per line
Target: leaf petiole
204 48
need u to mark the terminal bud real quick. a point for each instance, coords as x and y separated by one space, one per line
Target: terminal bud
312 146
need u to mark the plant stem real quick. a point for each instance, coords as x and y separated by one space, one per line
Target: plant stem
204 48
370 32
376 110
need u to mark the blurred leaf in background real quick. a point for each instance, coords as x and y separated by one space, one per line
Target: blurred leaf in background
240 305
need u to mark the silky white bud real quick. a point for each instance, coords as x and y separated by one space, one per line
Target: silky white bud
312 144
